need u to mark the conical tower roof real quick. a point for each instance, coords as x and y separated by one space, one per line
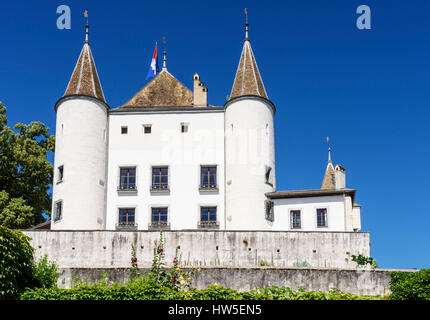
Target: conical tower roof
84 79
329 179
247 80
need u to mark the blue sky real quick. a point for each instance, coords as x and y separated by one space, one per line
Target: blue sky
368 90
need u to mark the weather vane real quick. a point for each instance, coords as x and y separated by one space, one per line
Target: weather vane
329 149
246 24
86 15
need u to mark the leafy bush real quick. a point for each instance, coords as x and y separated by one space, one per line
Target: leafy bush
410 285
363 260
16 263
45 273
145 288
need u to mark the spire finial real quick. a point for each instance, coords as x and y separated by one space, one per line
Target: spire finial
164 55
86 26
329 150
246 24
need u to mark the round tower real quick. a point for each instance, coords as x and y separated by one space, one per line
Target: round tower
249 148
79 194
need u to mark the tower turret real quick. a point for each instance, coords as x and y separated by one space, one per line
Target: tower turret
79 195
250 147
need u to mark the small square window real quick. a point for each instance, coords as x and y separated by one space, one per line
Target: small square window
124 130
184 127
147 128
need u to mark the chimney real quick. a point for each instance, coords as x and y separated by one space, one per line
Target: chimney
339 177
200 92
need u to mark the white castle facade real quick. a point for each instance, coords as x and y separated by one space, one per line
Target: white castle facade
167 160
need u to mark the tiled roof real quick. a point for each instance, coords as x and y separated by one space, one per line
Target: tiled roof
248 80
329 180
164 90
84 79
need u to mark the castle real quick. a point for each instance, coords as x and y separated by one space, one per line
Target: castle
205 175
168 160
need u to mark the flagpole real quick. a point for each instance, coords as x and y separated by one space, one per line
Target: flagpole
164 55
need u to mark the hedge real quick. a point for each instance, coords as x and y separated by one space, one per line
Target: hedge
410 285
145 288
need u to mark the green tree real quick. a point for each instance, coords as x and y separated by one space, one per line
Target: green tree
25 173
16 263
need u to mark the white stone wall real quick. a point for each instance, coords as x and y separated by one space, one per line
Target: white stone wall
359 281
81 148
202 248
166 145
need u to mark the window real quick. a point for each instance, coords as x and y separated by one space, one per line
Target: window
208 177
270 216
322 217
207 214
160 178
127 179
126 217
60 173
146 128
295 219
58 210
184 127
208 217
124 130
268 175
159 217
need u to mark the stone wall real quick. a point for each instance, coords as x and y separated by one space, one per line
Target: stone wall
112 249
362 282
